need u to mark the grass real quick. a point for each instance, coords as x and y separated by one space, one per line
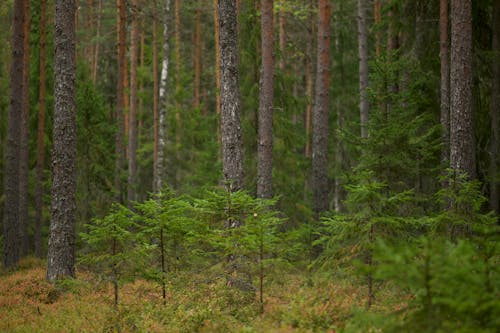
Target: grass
195 303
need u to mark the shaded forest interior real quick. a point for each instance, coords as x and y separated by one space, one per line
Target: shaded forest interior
184 163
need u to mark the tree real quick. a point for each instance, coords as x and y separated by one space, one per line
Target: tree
495 113
321 111
445 80
232 147
41 132
61 253
265 146
11 215
132 128
363 67
120 97
462 157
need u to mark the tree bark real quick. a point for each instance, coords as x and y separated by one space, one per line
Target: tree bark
495 113
232 147
217 72
156 182
321 111
40 132
364 107
24 130
462 157
61 255
162 130
445 81
132 133
120 98
265 146
11 214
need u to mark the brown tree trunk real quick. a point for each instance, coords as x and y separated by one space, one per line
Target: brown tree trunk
232 147
265 140
120 97
364 107
217 71
445 81
309 78
132 133
97 44
11 215
462 157
155 99
90 49
495 113
40 133
321 111
197 59
162 126
61 255
24 130
392 47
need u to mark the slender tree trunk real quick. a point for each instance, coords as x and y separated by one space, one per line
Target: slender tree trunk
309 78
24 130
11 214
120 97
265 147
321 111
392 47
98 43
41 132
495 113
90 49
197 59
61 255
445 81
232 147
132 134
162 130
217 72
156 182
462 157
178 83
364 107
377 10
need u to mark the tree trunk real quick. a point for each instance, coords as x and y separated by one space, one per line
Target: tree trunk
321 111
156 182
132 134
41 132
495 112
11 214
462 157
97 43
197 59
363 68
162 130
377 10
309 79
445 81
120 98
217 72
232 147
24 130
265 146
61 255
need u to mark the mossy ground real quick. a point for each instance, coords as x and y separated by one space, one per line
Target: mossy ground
294 302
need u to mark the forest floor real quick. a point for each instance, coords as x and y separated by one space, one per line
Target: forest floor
294 302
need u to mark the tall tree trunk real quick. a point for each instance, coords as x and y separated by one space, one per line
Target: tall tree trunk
217 72
90 49
97 43
265 146
363 68
132 134
377 11
445 81
232 147
162 130
24 130
495 113
309 78
462 157
11 213
178 83
392 47
61 255
321 111
41 132
120 98
282 37
197 59
156 182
